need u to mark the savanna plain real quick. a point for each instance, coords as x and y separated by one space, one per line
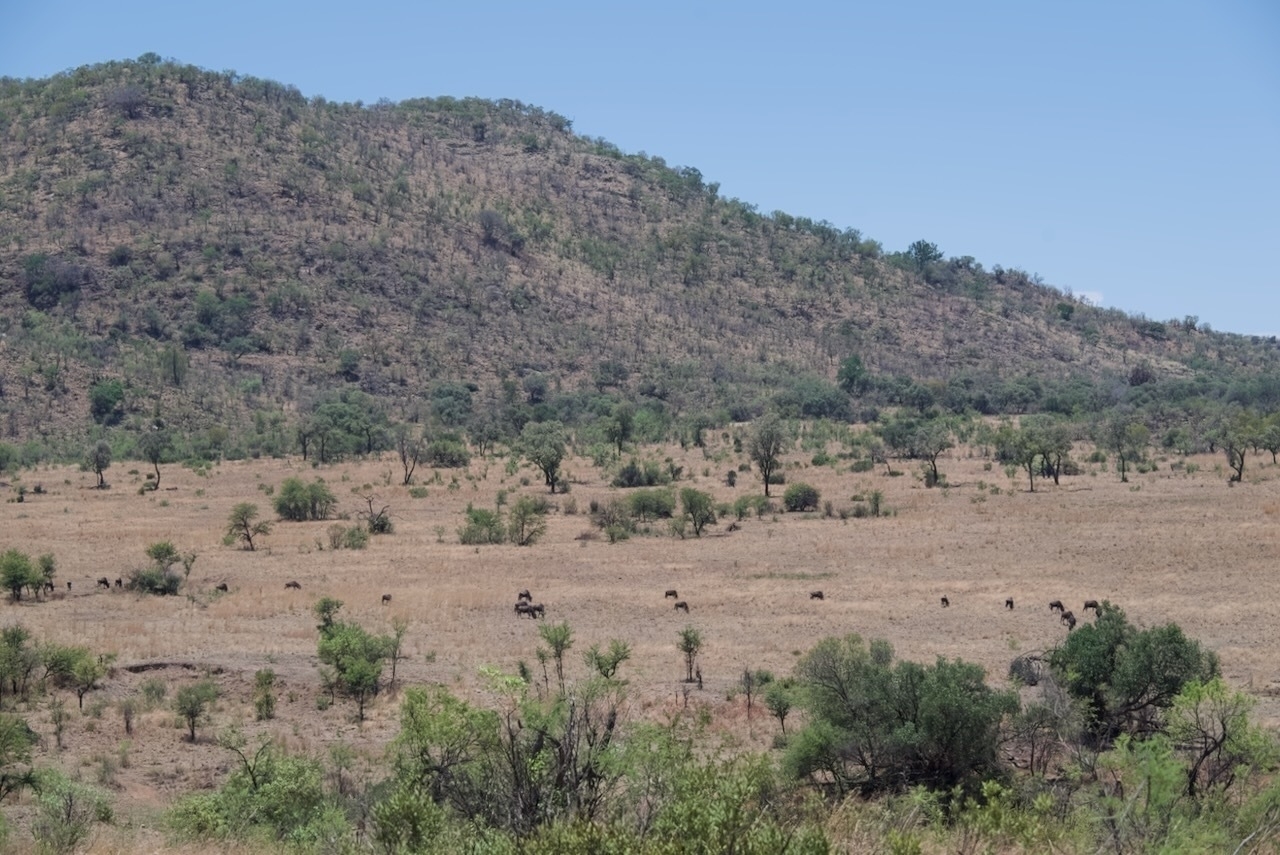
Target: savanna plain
1175 544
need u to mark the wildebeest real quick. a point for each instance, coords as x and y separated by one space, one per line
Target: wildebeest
1055 605
104 582
1008 602
815 595
682 606
525 595
1070 620
119 582
222 586
386 598
48 586
671 594
945 602
68 584
533 610
1091 604
293 585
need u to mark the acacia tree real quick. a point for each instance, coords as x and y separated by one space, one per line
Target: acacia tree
409 445
152 445
1127 438
241 524
192 704
544 445
767 442
699 509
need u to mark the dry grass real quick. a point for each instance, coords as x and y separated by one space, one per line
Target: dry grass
1167 547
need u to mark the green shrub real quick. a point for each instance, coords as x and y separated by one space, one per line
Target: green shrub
647 474
800 497
448 454
648 505
155 580
299 502
483 526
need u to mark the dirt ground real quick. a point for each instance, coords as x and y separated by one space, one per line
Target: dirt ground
1177 544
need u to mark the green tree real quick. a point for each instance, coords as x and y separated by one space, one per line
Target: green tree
1209 723
690 644
18 572
1125 437
152 446
243 524
853 377
699 509
765 446
527 522
779 698
192 703
922 253
98 459
355 655
16 741
606 663
875 724
86 672
1128 678
105 398
544 444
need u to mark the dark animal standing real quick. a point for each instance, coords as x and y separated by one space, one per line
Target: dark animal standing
1055 605
1091 604
533 610
68 585
682 606
222 586
119 582
525 595
293 585
815 595
48 586
1070 620
104 582
945 602
386 598
1008 603
671 594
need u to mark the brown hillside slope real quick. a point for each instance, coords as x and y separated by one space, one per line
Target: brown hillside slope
284 246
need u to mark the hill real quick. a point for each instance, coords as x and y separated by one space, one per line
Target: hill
224 253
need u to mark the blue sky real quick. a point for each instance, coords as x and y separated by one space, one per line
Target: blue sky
1125 151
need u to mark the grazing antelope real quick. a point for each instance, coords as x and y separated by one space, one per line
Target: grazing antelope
682 606
386 598
104 582
1091 604
815 595
293 585
1008 603
1070 620
222 586
671 594
1055 606
525 595
945 602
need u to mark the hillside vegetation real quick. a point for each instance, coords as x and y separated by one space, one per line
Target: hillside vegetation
226 256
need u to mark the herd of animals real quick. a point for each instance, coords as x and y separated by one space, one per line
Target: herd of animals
526 607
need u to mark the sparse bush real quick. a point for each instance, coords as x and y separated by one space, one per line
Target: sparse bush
153 691
192 704
264 698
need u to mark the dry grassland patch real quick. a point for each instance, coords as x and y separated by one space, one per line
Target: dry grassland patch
1167 547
